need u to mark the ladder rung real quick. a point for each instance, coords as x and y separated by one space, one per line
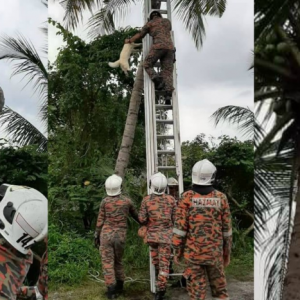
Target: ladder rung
163 11
161 106
167 167
164 121
166 137
171 152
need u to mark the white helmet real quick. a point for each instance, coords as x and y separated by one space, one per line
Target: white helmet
172 181
158 183
204 172
23 216
113 185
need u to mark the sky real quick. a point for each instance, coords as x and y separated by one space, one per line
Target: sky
23 17
216 75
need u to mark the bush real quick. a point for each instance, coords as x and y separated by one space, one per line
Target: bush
71 256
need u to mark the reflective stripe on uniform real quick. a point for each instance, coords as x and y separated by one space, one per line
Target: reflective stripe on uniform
228 233
163 273
179 232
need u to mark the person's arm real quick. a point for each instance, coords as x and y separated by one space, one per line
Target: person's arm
43 278
227 232
101 217
143 213
133 212
139 35
100 223
180 225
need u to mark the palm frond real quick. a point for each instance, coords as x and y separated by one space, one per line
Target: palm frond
27 62
191 14
103 22
21 130
241 116
74 10
269 13
2 99
272 197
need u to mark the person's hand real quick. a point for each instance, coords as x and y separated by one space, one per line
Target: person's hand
97 240
127 41
226 260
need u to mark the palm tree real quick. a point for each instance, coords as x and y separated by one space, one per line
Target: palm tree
27 62
277 69
190 12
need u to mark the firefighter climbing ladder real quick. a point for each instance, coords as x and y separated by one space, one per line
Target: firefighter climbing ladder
162 123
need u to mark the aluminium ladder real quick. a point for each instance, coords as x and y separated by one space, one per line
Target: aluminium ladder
163 150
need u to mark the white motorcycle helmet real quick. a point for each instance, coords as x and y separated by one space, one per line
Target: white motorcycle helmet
23 216
113 185
158 183
204 172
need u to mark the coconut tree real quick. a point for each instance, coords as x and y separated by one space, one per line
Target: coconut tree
190 12
277 92
27 62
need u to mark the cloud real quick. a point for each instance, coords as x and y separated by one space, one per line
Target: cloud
26 18
217 75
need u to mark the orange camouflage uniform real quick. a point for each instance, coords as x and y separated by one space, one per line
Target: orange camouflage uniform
112 228
30 292
203 234
13 269
162 49
157 213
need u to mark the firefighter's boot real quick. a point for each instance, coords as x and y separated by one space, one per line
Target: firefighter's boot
160 295
111 292
120 286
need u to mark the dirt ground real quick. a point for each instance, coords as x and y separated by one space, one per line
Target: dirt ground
238 290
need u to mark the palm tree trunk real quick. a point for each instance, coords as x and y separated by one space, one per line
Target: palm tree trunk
129 130
292 279
1 99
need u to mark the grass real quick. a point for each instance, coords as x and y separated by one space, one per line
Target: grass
90 290
240 268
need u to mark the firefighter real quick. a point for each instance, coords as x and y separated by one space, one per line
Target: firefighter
162 49
203 234
23 222
110 234
173 188
157 212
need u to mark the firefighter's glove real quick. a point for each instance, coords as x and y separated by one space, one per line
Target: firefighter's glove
97 240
